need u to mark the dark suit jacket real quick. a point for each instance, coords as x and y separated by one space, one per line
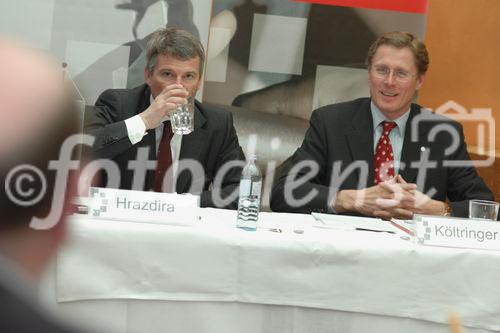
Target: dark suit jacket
19 316
212 143
341 134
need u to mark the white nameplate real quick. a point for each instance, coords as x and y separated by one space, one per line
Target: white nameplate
140 206
457 232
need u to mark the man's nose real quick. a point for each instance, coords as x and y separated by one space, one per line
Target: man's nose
390 78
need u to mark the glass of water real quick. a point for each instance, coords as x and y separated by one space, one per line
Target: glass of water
183 118
483 210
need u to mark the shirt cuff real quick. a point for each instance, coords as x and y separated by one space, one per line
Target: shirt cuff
329 207
135 129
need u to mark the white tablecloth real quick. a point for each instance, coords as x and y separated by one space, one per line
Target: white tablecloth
217 267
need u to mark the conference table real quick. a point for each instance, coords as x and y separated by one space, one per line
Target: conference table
288 276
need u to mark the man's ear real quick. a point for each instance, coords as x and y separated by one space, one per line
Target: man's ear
147 76
420 80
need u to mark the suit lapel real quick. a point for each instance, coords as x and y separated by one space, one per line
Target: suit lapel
360 139
193 145
144 101
412 149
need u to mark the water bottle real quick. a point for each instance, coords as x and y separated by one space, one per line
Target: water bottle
249 201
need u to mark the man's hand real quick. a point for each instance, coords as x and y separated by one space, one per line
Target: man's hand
396 205
390 199
422 204
384 200
163 105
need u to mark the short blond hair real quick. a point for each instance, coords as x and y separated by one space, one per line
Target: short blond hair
400 39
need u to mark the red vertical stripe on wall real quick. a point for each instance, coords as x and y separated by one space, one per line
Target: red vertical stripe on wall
410 6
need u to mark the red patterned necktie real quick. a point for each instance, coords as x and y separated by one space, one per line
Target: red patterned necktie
384 157
164 159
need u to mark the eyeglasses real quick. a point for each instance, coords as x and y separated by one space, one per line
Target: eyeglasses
400 75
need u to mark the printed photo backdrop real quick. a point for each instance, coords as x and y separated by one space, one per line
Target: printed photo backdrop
290 57
102 41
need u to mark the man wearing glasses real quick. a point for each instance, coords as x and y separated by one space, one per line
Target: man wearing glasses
382 156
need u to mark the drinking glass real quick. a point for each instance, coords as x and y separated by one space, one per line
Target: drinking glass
183 118
483 210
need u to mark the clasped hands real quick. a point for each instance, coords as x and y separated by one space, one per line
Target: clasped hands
394 198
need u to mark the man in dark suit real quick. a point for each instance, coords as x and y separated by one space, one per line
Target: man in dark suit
129 128
36 118
382 156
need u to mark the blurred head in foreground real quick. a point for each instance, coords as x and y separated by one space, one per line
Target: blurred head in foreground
36 116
